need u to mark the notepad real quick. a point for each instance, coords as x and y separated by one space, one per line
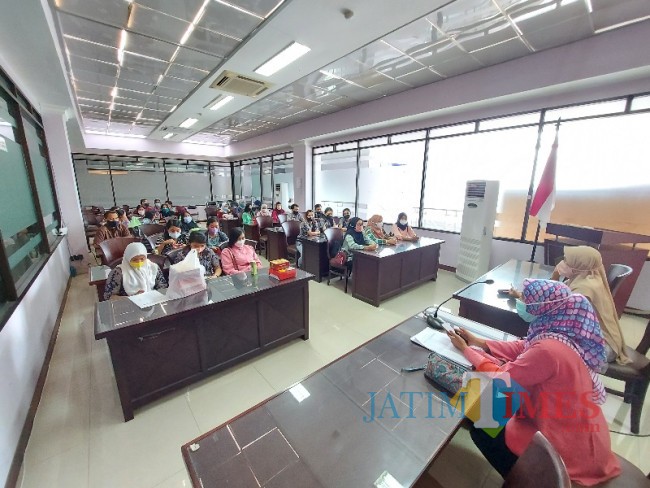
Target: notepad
439 342
148 299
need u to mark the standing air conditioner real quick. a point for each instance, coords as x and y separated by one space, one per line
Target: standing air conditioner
281 194
479 215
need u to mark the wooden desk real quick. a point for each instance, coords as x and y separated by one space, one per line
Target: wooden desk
227 225
482 302
314 256
315 436
276 244
97 277
377 275
165 347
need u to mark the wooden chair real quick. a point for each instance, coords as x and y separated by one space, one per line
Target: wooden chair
540 465
150 229
211 211
113 249
636 376
282 218
616 274
334 242
250 242
263 223
291 230
162 262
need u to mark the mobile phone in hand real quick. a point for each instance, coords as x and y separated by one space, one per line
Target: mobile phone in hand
447 326
504 292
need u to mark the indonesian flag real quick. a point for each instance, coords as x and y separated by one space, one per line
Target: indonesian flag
544 197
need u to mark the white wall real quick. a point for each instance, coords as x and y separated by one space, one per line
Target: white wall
23 344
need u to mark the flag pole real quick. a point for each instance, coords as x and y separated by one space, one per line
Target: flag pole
539 223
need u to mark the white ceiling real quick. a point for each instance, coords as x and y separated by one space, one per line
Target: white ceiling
386 47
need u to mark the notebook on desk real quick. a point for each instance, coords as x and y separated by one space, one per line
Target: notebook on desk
438 341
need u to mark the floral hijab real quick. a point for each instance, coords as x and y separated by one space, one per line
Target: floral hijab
570 319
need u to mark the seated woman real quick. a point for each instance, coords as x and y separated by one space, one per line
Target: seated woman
345 220
149 217
375 232
558 365
247 216
215 236
237 257
278 210
328 218
264 211
311 226
356 240
402 230
171 239
188 223
166 211
135 275
122 217
208 259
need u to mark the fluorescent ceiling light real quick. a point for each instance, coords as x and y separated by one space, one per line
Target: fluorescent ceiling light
282 59
187 123
187 34
534 13
622 24
242 10
221 102
173 108
114 91
160 78
167 136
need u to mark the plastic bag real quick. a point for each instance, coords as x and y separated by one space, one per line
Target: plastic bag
187 277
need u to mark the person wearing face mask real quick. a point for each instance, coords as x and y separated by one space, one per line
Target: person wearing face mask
165 211
110 229
215 237
247 215
328 219
558 365
311 226
207 257
156 203
135 275
144 202
402 230
188 223
171 239
237 257
264 211
148 217
345 220
122 217
375 232
295 213
318 211
278 210
356 240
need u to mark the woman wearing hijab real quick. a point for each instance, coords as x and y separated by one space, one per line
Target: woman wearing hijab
356 240
585 273
558 365
248 215
375 232
278 210
135 275
264 211
402 230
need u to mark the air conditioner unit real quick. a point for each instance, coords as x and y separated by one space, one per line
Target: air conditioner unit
479 215
281 194
231 82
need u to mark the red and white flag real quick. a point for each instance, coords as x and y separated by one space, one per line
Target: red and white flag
544 197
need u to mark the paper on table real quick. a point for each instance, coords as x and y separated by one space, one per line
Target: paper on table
148 299
439 342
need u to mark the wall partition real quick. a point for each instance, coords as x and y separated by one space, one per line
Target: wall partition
265 178
602 179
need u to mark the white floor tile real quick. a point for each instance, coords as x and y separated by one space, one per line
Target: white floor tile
68 469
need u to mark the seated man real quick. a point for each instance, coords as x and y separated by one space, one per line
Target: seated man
110 229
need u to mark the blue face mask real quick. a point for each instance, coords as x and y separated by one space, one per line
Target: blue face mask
521 311
187 220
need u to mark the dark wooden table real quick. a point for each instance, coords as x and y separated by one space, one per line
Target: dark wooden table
482 302
276 244
97 277
321 433
380 274
159 349
227 225
314 256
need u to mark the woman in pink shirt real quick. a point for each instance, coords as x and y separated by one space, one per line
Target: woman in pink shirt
558 365
237 257
402 230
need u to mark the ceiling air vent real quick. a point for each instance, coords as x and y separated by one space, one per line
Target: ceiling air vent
231 82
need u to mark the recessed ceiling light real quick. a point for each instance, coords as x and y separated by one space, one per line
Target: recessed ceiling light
173 108
187 123
187 34
167 136
282 59
221 102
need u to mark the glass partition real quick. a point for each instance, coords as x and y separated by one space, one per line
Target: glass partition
135 179
283 180
335 180
94 181
267 176
221 182
188 182
238 176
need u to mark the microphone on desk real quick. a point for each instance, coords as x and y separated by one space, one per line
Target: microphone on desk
436 323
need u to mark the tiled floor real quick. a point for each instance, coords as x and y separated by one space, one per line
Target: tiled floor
79 437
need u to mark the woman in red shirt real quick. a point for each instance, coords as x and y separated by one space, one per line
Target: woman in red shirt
278 210
558 365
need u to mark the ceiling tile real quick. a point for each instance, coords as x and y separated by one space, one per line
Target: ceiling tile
152 114
134 85
607 13
185 9
87 96
421 77
457 66
375 54
489 34
92 88
93 77
178 84
414 36
141 130
152 48
102 10
157 24
505 51
226 20
169 92
94 124
86 49
463 15
195 59
398 66
259 7
93 66
211 42
89 30
185 73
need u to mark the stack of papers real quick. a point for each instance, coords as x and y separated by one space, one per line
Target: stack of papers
148 299
439 342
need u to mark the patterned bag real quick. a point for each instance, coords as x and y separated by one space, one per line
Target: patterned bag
340 259
445 373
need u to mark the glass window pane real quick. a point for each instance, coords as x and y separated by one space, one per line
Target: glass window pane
602 174
510 121
483 156
452 130
335 177
377 141
346 146
93 182
221 183
283 181
641 103
137 179
586 110
238 182
409 136
267 189
390 180
187 183
324 149
256 189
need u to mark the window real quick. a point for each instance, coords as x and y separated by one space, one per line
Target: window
267 176
94 181
135 179
283 180
335 180
221 182
188 182
237 171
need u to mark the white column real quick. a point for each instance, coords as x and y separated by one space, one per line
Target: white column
302 174
56 133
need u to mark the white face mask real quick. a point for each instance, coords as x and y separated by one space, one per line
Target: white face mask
174 235
403 222
239 244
